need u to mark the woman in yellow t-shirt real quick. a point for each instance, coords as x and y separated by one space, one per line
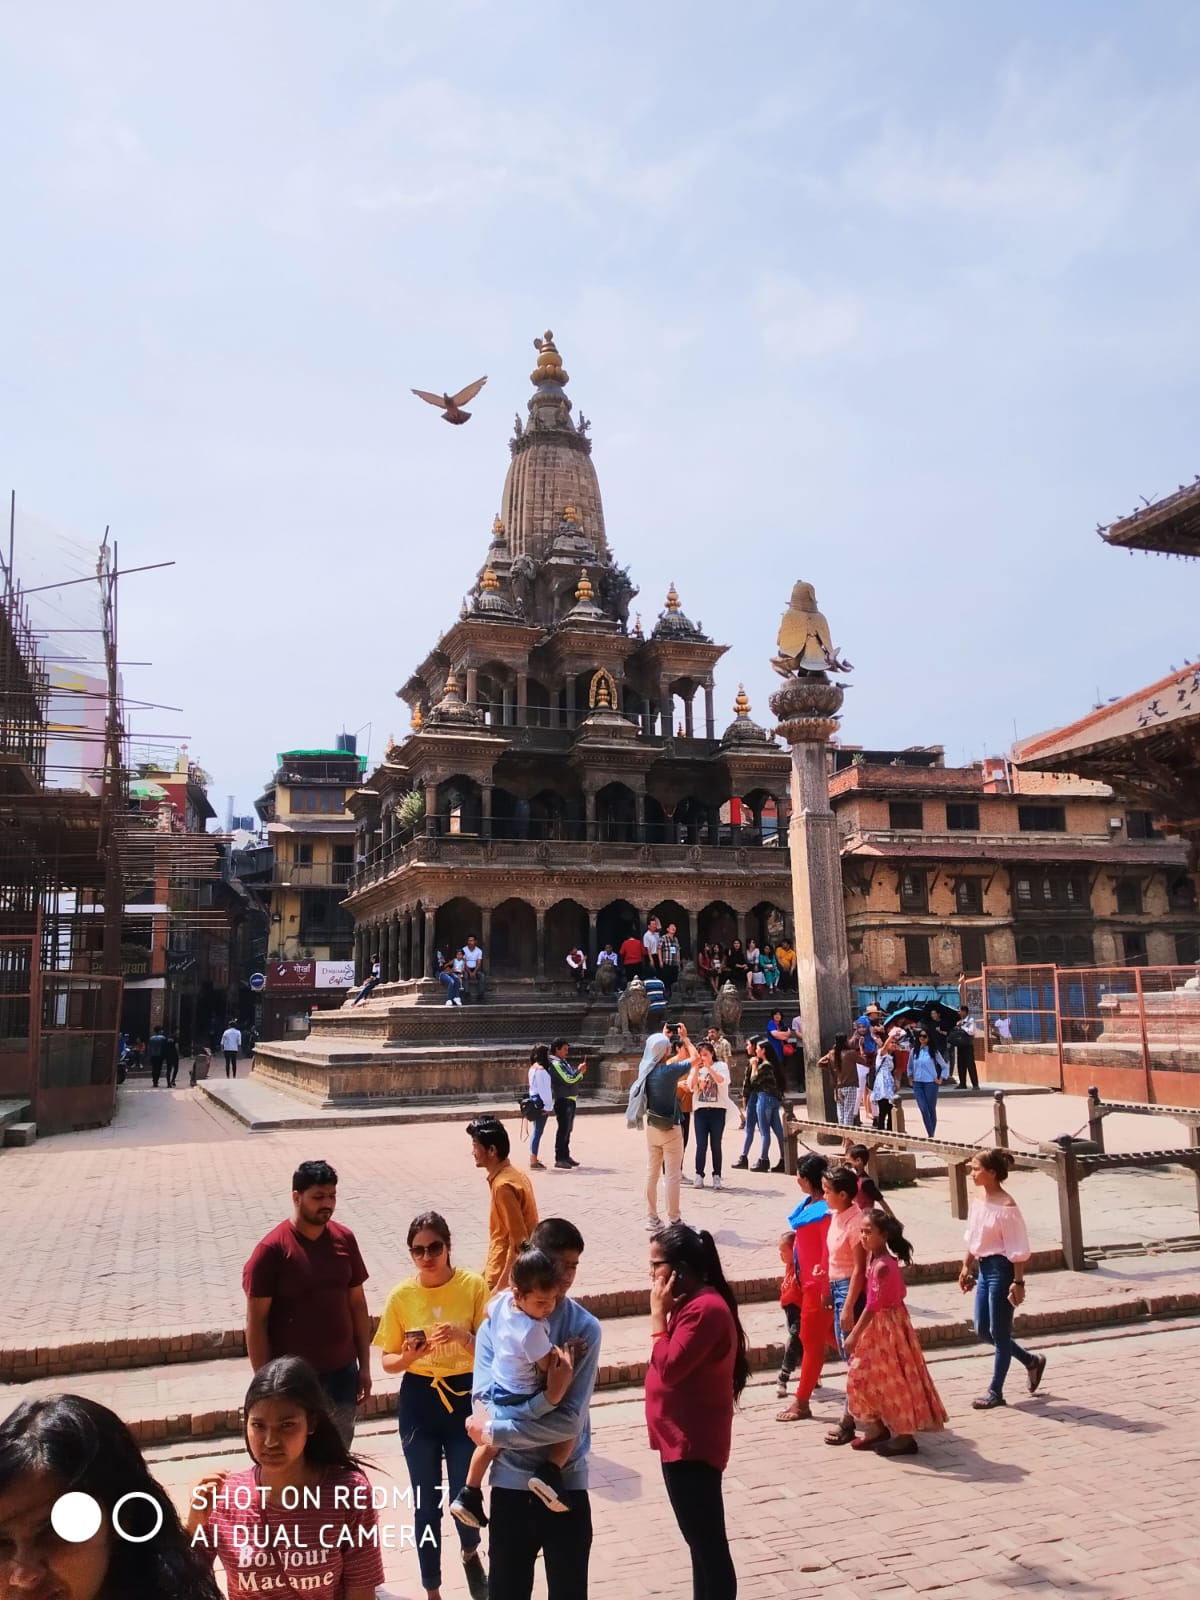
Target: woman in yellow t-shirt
427 1332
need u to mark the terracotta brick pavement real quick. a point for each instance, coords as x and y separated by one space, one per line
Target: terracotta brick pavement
144 1226
1087 1489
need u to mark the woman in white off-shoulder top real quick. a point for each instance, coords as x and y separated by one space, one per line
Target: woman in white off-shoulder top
994 1266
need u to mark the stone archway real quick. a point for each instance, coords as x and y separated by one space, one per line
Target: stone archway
514 940
566 927
668 911
452 923
717 924
616 921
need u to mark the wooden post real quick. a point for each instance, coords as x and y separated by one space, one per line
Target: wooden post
1066 1176
1194 1142
791 1141
958 1189
1096 1118
897 1114
1000 1120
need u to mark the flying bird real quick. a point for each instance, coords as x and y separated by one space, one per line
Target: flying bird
450 405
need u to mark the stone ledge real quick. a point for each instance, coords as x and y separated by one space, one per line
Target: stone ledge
171 1347
763 1356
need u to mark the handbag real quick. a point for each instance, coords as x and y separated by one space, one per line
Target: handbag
530 1107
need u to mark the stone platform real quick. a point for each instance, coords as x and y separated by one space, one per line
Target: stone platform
401 1047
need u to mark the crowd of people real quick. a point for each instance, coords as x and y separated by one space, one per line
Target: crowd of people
496 1368
871 1061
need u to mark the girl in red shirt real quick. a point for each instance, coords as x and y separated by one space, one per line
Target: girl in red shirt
698 1369
888 1386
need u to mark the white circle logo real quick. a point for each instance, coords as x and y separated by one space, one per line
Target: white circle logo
76 1517
136 1538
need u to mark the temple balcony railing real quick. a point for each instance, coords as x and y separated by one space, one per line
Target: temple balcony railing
472 849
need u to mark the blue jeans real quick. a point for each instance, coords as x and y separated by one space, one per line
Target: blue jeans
710 1129
539 1127
926 1095
751 1124
994 1317
770 1119
341 1390
430 1434
839 1289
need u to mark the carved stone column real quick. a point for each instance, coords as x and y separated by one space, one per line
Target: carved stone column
430 946
431 808
485 802
589 811
639 812
807 708
541 943
522 699
710 722
593 942
687 716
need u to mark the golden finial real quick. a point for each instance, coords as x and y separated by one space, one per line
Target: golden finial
584 590
570 514
741 705
549 367
497 527
672 599
489 579
451 683
418 721
638 632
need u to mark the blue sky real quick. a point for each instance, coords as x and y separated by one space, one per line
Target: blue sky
899 298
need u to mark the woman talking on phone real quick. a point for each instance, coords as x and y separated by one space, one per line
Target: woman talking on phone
698 1369
427 1333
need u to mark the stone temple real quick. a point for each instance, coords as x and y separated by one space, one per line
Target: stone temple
563 780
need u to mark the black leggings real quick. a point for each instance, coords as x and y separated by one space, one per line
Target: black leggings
694 1490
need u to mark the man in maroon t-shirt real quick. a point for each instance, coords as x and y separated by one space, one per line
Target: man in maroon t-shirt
304 1295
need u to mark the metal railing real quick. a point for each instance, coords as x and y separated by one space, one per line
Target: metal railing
1144 1020
554 848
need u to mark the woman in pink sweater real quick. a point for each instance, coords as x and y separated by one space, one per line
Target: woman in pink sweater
698 1369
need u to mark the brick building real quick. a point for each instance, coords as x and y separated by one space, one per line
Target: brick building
948 869
310 829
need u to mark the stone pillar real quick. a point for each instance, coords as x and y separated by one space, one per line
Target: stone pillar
688 728
485 801
431 808
394 963
741 933
710 721
358 955
589 812
485 932
694 933
541 943
506 707
430 946
522 699
807 708
647 718
593 941
472 686
639 813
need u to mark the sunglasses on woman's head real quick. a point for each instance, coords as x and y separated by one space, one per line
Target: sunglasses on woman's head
434 1249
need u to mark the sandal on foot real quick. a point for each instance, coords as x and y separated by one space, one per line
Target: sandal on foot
898 1447
874 1441
798 1411
842 1434
988 1401
1035 1373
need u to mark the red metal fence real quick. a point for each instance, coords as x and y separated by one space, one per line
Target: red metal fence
1134 1032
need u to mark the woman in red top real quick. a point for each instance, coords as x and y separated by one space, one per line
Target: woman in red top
698 1368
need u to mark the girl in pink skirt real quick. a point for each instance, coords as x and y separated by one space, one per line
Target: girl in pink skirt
888 1387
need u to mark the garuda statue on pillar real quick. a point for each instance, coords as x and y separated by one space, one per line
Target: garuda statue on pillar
804 641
